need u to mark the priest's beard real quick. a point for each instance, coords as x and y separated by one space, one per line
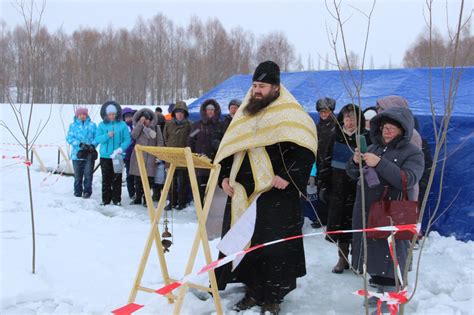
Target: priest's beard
256 105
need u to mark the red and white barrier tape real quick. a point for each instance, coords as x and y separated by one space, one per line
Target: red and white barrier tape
44 183
36 145
393 299
132 307
28 163
17 157
390 241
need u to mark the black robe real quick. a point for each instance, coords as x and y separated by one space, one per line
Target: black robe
279 215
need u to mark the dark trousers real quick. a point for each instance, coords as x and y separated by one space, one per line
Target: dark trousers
139 192
130 179
179 191
83 172
202 182
268 291
111 182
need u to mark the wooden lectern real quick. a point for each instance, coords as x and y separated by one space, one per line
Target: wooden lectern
177 157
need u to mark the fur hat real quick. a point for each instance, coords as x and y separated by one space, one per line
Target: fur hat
326 103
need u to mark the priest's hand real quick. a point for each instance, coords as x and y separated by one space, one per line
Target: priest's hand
229 191
279 182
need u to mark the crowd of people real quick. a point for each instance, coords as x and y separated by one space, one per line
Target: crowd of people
271 154
121 129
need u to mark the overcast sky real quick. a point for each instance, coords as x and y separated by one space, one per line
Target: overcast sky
395 24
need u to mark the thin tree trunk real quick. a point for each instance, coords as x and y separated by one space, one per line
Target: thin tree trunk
30 191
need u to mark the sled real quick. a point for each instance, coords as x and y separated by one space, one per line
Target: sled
177 157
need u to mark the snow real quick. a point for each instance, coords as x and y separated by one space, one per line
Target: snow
87 255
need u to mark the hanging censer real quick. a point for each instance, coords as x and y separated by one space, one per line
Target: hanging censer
167 237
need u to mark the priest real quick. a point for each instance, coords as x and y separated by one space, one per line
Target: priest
266 157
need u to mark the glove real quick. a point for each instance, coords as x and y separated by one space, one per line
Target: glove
83 146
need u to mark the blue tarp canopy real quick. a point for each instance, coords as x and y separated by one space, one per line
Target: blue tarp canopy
456 209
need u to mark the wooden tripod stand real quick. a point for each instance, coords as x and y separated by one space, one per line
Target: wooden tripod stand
177 157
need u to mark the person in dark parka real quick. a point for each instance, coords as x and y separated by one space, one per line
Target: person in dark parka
204 138
233 107
161 120
342 190
127 116
326 128
176 135
391 151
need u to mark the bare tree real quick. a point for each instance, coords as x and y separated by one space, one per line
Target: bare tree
453 68
432 49
345 60
32 15
276 47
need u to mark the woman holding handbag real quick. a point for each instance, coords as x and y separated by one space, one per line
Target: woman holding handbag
390 158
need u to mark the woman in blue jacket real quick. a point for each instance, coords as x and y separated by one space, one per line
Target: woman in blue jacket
81 136
114 138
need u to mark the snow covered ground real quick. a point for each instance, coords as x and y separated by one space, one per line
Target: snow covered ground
87 255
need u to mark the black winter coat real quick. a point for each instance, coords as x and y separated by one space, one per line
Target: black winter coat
342 189
205 133
225 123
326 130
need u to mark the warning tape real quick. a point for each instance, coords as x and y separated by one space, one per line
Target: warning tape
36 145
132 307
393 299
44 183
17 157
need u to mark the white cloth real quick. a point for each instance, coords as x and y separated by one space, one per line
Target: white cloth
240 234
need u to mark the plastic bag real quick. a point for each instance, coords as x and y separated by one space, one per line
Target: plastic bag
118 164
160 174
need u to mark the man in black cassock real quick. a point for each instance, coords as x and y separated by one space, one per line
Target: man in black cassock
266 156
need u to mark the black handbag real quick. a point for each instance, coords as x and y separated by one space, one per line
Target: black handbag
83 154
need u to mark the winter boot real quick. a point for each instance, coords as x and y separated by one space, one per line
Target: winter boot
246 303
270 308
136 201
342 263
180 207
